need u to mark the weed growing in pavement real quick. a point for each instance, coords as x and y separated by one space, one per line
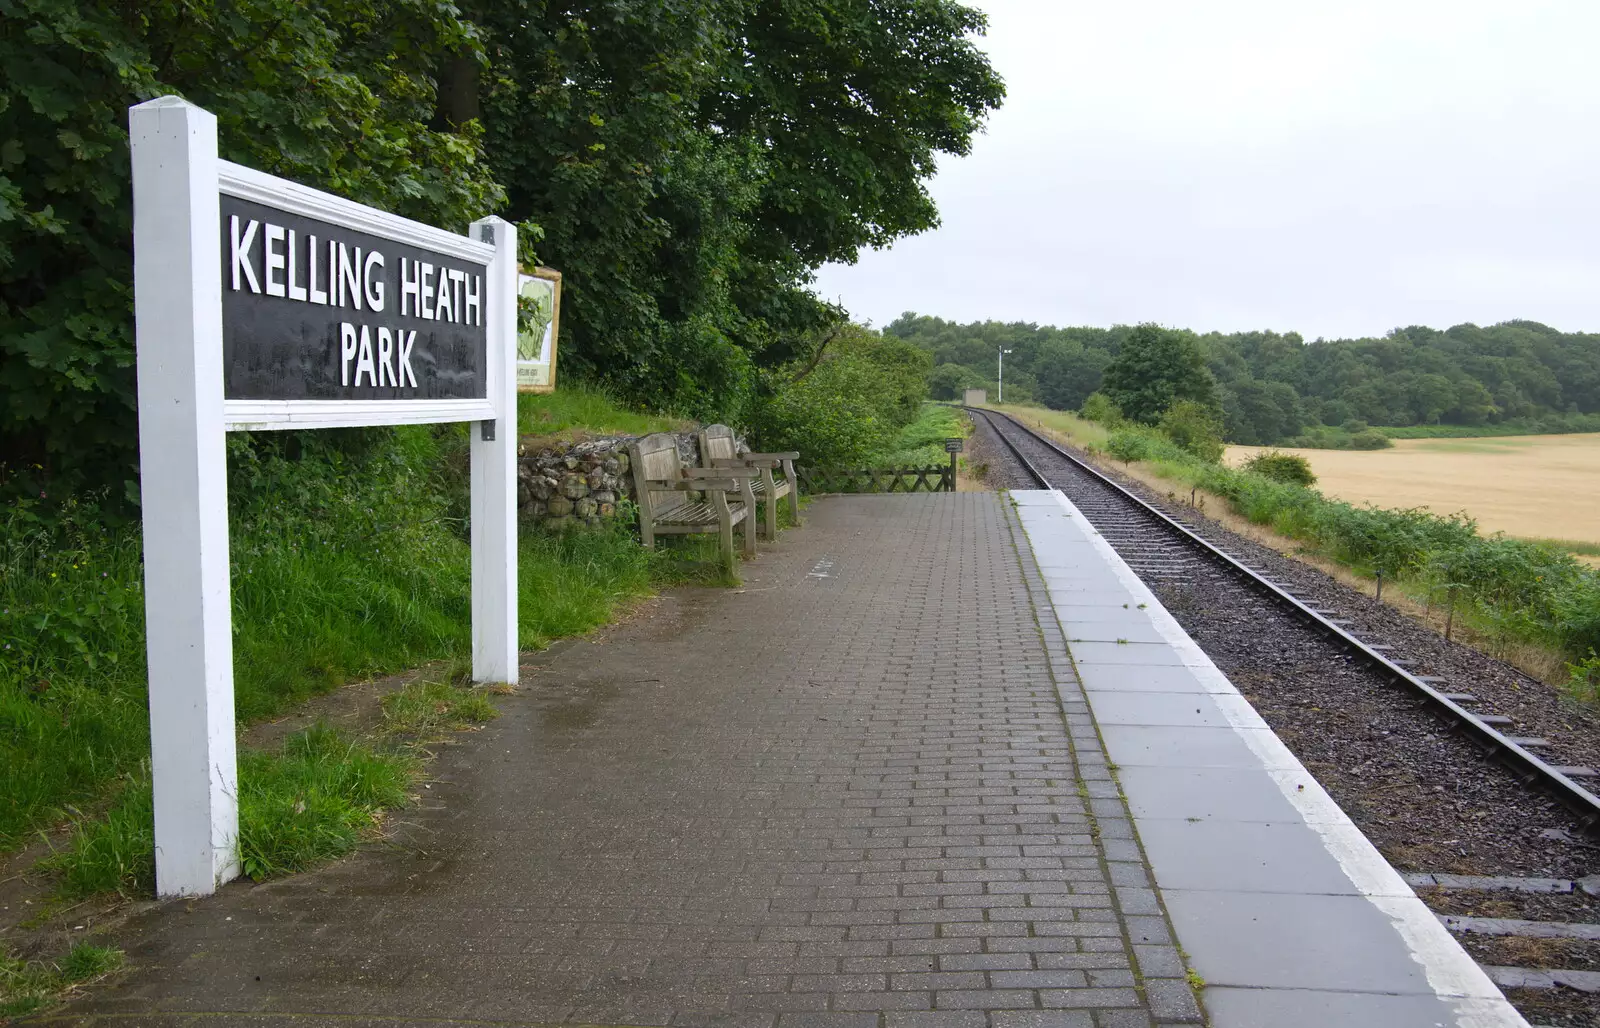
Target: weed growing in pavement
429 710
27 987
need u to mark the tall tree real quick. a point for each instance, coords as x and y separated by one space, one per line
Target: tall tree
692 162
688 163
1155 368
337 94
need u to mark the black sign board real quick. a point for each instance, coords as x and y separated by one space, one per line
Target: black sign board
317 311
953 445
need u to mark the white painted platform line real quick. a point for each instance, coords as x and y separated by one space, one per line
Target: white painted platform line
1286 910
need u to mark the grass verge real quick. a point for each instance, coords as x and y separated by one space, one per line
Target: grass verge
350 561
27 987
313 799
573 412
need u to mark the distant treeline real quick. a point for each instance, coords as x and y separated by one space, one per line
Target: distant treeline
1282 389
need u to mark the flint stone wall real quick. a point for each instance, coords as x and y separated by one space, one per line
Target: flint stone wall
582 484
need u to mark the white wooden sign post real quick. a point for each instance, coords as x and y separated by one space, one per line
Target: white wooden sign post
262 304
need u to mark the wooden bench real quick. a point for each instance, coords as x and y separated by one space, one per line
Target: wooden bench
718 449
663 485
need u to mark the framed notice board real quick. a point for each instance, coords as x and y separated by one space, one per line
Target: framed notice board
538 328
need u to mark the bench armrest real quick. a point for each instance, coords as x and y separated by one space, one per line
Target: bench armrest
791 455
720 471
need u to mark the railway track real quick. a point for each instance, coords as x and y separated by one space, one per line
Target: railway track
1385 739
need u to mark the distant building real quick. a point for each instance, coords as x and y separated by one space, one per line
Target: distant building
976 397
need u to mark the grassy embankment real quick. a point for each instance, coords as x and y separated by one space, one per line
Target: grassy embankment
349 561
921 443
1525 601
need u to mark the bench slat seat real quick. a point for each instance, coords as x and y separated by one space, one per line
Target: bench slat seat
663 488
694 514
719 449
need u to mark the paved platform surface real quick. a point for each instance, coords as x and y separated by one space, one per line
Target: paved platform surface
862 792
1284 908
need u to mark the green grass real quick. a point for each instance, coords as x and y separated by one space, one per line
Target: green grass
1571 546
575 409
315 800
428 710
27 987
1078 431
921 443
312 801
349 561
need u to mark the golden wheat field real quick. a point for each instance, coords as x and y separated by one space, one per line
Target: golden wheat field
1537 487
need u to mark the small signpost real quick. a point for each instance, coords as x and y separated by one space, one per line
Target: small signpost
263 304
953 447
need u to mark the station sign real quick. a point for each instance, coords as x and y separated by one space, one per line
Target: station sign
263 304
313 310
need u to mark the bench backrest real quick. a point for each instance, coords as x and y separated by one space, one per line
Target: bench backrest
655 459
717 443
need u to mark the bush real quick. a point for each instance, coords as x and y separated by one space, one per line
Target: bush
1195 428
1100 409
1370 440
1128 446
1583 678
847 409
921 443
1281 467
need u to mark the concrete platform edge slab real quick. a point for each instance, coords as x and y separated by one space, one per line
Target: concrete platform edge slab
1163 974
1391 933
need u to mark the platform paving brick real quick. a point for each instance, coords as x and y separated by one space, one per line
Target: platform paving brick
862 791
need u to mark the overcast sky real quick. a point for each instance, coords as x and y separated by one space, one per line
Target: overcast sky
1332 168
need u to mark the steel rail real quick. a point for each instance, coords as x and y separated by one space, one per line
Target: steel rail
1524 764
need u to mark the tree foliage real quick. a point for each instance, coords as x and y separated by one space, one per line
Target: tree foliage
691 162
1281 389
846 410
1291 468
337 95
1154 369
1196 429
686 163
